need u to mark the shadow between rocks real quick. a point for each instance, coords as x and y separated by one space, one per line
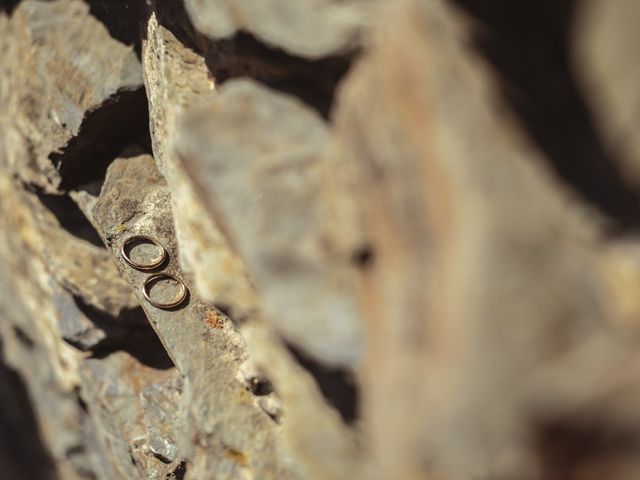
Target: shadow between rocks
530 46
337 385
22 452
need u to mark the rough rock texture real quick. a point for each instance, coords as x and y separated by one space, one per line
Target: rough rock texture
161 402
32 345
201 341
75 92
74 257
176 78
408 230
114 387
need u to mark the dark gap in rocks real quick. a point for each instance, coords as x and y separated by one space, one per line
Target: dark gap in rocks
363 257
173 16
131 333
566 449
260 386
74 450
143 344
23 337
94 187
179 472
71 217
77 456
81 403
22 452
123 19
336 384
121 120
237 317
127 318
8 5
114 329
312 81
224 309
529 44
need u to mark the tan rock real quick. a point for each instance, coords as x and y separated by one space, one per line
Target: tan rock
604 40
266 186
309 28
177 78
486 278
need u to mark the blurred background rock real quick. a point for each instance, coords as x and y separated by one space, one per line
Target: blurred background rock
409 230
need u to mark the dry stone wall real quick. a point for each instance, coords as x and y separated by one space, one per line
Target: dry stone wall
407 230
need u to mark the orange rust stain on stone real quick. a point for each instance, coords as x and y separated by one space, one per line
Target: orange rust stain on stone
213 320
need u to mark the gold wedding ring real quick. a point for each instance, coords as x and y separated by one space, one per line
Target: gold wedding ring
140 266
147 295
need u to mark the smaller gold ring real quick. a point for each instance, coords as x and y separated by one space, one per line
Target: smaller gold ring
181 297
139 266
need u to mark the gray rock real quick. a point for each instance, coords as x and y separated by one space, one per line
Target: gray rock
177 79
161 403
112 388
258 159
74 327
74 93
84 269
217 413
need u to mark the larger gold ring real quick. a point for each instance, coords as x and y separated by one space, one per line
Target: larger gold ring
140 266
147 295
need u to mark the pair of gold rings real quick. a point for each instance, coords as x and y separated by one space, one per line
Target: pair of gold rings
146 267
